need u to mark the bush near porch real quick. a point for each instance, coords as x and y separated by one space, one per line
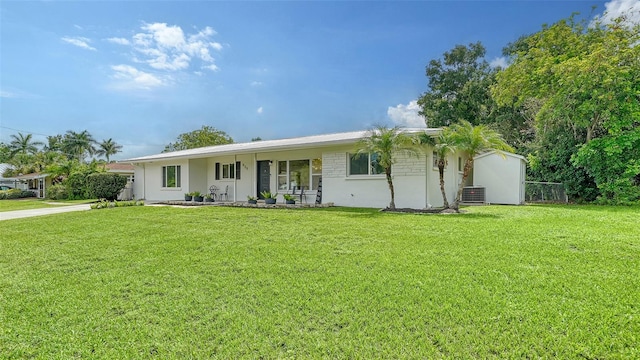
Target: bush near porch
496 282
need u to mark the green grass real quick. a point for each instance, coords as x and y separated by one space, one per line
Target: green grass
33 203
209 282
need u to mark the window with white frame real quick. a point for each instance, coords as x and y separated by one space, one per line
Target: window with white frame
171 176
435 160
299 173
460 167
228 171
364 164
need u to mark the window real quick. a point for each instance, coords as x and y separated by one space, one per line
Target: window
171 176
297 173
435 159
229 171
365 164
460 164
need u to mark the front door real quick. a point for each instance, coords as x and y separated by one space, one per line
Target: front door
264 177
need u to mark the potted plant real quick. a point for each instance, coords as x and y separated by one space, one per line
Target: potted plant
289 199
269 198
197 196
208 198
252 200
188 197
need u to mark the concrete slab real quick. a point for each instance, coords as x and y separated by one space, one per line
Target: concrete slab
19 214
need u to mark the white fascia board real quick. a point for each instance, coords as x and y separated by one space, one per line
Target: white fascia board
266 146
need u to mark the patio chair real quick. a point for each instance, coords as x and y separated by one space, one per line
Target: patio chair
213 190
224 194
303 198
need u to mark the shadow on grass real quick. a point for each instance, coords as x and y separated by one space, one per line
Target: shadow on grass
374 213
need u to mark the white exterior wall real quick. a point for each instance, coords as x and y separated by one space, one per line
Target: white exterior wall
409 180
503 178
148 181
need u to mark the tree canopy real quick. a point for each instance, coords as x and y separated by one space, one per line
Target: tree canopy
206 136
586 79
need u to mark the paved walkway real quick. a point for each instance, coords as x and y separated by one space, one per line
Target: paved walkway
18 214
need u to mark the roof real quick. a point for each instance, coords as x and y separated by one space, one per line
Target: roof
3 168
304 142
499 154
119 167
31 176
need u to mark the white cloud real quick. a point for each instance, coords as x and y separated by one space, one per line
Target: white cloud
120 41
77 27
167 47
617 8
259 111
499 62
132 78
79 41
406 115
212 67
256 83
7 94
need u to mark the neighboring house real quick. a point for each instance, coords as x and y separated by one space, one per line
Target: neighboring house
127 170
6 181
36 182
322 164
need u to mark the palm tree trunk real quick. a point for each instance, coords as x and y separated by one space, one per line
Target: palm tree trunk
444 193
392 204
468 165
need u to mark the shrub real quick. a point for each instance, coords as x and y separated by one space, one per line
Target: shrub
77 186
16 194
104 204
105 185
57 192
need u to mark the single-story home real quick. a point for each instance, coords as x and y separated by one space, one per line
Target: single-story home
326 166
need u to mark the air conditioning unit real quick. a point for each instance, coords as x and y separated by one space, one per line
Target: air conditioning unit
473 195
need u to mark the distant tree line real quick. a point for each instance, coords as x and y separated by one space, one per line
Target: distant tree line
69 158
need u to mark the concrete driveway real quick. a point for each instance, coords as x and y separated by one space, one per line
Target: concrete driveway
18 214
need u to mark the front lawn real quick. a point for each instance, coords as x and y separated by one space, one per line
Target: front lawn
211 282
35 203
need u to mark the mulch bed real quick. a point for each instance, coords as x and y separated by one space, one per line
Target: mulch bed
420 211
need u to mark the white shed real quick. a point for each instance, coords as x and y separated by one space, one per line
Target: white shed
502 176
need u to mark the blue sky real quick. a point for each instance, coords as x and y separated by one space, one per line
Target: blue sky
143 72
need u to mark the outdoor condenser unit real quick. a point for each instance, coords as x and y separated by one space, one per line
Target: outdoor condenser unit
473 195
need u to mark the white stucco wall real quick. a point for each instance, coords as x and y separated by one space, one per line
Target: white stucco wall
503 178
409 180
148 181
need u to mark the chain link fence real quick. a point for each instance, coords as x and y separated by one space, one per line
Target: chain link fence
539 191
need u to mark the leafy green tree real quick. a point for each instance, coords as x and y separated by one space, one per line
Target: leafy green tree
5 152
387 143
78 144
23 144
458 87
472 141
54 143
586 80
108 148
207 136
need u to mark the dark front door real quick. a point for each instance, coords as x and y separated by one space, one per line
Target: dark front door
264 177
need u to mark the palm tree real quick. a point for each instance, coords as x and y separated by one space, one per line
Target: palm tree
472 141
22 144
443 145
108 148
386 143
78 144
